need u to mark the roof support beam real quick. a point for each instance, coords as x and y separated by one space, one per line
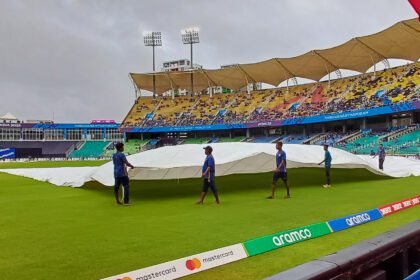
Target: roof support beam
327 61
365 46
410 29
284 68
208 81
246 74
172 85
137 90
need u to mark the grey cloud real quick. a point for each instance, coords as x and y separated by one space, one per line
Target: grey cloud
73 57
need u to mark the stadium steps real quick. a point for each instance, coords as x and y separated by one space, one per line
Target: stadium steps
233 139
405 144
315 138
401 132
132 146
265 139
90 149
201 140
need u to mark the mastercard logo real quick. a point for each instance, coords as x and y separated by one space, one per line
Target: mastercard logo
193 264
125 278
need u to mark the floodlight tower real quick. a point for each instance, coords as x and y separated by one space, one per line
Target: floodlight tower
153 39
191 36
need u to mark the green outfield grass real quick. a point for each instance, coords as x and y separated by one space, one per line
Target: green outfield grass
49 232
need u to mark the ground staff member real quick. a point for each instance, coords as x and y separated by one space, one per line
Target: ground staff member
208 174
327 160
280 172
120 174
381 153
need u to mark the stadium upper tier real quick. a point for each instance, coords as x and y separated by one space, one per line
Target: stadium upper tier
387 87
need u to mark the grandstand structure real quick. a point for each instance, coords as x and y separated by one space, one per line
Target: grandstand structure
355 113
57 140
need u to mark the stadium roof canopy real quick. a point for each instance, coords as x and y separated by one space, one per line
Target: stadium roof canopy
400 41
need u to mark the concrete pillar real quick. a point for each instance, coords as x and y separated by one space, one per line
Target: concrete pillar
304 130
324 128
266 132
141 136
363 125
344 127
230 134
248 133
388 121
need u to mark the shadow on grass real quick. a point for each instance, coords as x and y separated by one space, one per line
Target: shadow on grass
298 178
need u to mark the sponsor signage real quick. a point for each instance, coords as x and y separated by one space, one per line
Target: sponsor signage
398 206
285 238
186 266
263 124
185 128
354 220
7 153
102 121
203 261
10 125
75 125
361 113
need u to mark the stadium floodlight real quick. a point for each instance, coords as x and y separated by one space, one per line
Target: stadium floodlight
153 39
190 36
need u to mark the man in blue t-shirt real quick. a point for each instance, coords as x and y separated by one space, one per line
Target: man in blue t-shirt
120 173
381 153
327 160
280 172
208 174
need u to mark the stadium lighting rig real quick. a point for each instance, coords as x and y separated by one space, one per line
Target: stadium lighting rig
153 39
190 36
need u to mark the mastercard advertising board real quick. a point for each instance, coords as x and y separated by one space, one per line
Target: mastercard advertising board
186 266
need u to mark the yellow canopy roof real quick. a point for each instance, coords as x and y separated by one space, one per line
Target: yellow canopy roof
400 41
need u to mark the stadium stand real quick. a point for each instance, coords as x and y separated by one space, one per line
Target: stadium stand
228 139
130 147
264 139
390 86
203 140
90 149
40 149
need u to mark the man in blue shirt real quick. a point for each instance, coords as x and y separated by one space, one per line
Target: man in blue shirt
208 174
327 160
280 172
120 173
381 153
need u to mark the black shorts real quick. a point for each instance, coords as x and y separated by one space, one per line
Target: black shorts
279 175
209 184
121 181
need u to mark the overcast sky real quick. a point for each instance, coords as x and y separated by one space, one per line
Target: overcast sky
71 58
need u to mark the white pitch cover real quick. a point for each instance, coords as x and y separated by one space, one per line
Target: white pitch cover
186 266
